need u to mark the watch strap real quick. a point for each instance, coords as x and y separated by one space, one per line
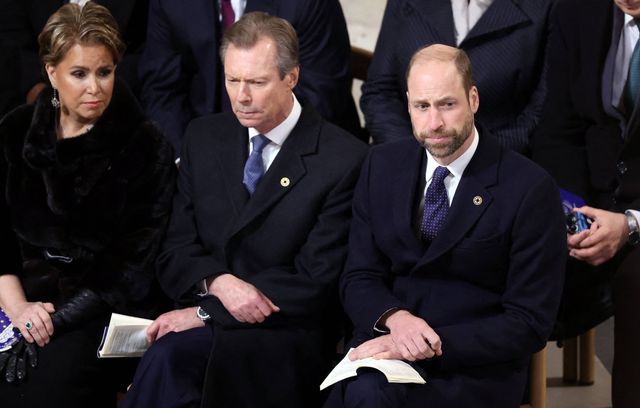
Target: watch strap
634 228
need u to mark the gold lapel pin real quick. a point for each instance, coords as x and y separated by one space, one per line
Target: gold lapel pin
477 200
284 182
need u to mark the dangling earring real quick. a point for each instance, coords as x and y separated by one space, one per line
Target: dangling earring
55 102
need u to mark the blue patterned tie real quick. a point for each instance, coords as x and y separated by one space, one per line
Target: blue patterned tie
633 78
254 168
436 205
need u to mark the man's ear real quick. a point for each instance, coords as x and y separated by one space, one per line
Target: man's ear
474 99
292 77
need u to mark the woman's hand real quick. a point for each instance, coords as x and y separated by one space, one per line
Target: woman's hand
35 315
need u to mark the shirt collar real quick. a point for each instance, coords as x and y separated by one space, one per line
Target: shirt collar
456 167
280 133
630 21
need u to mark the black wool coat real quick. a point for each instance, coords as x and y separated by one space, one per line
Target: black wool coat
87 212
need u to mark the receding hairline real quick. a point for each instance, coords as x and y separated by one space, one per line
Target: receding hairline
254 27
265 39
436 52
445 54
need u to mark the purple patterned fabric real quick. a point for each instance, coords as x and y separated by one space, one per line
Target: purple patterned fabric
436 205
7 336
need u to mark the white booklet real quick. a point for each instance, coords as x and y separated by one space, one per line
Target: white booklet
396 371
126 336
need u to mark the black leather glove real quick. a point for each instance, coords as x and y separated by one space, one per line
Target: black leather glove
15 361
81 308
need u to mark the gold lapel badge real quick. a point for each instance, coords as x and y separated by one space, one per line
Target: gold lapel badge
477 200
284 182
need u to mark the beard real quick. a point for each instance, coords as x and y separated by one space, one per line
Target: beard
455 139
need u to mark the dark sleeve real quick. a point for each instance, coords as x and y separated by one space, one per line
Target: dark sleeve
10 92
532 294
184 262
365 286
9 247
126 266
10 252
383 101
558 143
165 82
133 27
25 36
517 133
325 74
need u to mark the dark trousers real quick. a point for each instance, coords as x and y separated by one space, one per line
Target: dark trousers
69 374
171 373
626 360
488 387
370 389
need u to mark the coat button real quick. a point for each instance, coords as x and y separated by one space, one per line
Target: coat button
622 168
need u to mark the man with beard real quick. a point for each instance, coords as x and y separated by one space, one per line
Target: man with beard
456 253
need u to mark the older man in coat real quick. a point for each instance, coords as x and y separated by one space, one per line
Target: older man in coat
256 243
182 72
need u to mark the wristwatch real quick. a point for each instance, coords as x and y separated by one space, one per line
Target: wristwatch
634 228
202 315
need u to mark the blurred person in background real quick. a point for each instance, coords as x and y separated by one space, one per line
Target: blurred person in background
506 42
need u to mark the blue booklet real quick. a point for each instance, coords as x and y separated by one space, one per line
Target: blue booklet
7 336
570 201
576 221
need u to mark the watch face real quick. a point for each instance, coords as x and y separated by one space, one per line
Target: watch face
202 314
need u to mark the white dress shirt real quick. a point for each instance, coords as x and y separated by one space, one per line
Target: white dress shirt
277 135
466 14
456 168
628 40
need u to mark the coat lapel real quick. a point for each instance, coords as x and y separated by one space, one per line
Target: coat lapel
439 16
500 16
405 194
232 152
471 200
609 63
285 172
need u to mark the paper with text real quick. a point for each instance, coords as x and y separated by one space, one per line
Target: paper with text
126 336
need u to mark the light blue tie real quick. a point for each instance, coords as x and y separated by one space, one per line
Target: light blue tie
633 78
254 167
436 205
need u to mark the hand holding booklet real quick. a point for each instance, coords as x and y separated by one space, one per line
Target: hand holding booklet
126 336
396 371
